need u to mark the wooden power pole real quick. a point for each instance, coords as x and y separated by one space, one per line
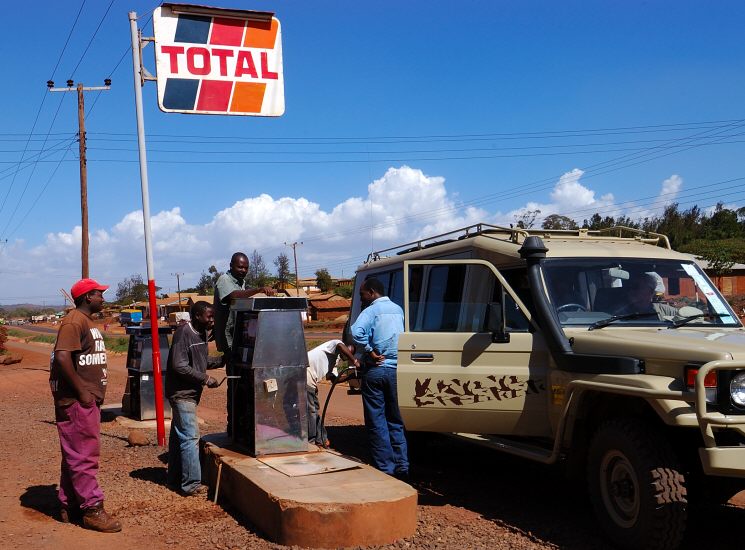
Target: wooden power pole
294 254
85 272
178 288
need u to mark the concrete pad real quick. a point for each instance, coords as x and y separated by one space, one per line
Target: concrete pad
357 507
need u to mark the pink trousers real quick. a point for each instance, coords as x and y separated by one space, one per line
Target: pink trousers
79 431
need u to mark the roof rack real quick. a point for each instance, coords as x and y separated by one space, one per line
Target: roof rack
515 234
607 233
511 235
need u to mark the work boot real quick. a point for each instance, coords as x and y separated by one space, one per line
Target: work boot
70 514
202 490
97 519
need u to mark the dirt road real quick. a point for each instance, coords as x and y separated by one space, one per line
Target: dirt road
469 497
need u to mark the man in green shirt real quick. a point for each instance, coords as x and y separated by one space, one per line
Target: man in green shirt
231 286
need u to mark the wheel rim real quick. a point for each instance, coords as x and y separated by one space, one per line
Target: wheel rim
619 488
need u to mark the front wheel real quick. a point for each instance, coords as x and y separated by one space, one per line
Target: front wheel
636 486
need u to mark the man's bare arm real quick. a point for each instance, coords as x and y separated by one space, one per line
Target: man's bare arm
237 294
348 355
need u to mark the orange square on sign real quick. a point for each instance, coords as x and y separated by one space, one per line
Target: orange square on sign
247 97
261 34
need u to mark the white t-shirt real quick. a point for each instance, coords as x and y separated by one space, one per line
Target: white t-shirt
321 359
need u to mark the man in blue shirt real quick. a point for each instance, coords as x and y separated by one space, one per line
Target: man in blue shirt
376 331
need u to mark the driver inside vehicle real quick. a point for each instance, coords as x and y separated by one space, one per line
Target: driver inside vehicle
565 297
641 298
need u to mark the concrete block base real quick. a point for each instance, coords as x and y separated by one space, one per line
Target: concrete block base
358 507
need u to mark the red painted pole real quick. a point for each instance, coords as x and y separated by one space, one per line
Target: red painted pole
138 81
157 378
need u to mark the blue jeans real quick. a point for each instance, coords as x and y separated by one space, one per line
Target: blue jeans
184 469
316 430
385 429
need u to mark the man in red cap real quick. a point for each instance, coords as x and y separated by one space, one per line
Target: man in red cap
77 376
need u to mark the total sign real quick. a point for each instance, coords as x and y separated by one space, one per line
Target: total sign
218 61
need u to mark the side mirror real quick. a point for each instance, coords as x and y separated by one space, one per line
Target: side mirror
495 323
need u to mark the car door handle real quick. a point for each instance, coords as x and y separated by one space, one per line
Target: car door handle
422 357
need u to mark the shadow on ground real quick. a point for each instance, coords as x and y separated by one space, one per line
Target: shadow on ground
41 498
153 474
520 495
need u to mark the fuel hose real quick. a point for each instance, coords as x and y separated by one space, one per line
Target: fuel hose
338 380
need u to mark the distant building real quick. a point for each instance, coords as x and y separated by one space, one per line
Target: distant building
731 284
328 307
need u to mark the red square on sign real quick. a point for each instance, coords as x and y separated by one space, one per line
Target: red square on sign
227 32
214 95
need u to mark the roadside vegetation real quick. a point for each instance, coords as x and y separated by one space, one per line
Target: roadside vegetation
716 235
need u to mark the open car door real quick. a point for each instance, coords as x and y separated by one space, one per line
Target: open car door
469 359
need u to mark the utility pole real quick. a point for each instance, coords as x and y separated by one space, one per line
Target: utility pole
178 287
83 165
294 254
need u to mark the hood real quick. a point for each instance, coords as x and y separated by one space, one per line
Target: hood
685 343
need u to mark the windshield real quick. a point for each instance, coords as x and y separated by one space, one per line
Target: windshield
640 292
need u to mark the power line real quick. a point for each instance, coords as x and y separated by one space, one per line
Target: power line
85 51
421 216
121 58
41 192
72 74
400 159
41 105
33 169
67 40
465 137
406 151
353 262
41 158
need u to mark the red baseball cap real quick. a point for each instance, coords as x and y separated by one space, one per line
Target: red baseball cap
84 286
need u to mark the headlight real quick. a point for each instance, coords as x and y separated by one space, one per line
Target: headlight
737 389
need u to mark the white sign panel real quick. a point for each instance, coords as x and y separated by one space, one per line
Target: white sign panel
218 61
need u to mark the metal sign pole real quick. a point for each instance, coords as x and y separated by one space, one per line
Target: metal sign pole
138 80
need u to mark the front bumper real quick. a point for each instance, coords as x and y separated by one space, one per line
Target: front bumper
718 460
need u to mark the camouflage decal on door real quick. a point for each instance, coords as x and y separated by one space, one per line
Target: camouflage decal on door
469 392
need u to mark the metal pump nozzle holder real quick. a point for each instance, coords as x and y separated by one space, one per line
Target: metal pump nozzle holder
268 412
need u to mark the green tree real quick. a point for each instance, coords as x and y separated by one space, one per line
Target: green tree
722 224
132 289
323 280
557 221
214 273
282 263
526 219
258 274
720 255
345 291
598 222
206 284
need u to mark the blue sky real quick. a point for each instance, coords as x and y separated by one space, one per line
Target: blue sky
402 119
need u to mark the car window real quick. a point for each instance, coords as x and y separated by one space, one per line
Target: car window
456 299
586 290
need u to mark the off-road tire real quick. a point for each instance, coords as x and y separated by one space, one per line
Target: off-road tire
636 486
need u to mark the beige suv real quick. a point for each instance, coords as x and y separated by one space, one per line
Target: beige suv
605 350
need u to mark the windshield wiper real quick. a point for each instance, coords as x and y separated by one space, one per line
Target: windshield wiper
605 322
686 320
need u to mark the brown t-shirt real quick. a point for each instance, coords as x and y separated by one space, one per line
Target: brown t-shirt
85 342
